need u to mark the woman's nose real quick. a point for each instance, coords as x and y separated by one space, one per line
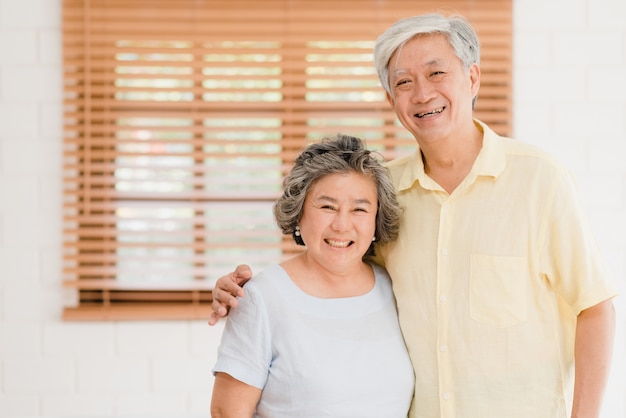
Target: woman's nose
340 221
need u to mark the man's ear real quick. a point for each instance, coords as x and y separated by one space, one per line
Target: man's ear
474 75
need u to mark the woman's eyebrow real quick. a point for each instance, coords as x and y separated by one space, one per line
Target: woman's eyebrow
333 200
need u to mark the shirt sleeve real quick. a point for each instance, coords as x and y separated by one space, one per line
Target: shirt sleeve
245 350
572 260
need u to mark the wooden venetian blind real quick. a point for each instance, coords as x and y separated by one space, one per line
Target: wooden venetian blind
181 117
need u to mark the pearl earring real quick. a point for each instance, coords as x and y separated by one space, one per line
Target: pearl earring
373 238
297 231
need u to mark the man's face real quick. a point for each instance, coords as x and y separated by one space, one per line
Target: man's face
431 92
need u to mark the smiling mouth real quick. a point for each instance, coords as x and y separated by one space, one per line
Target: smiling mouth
432 112
339 244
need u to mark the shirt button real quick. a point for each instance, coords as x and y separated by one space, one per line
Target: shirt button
442 298
446 396
444 251
443 348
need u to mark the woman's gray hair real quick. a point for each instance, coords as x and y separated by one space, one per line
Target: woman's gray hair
458 30
339 154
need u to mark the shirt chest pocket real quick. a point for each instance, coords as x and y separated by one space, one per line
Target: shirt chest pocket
498 289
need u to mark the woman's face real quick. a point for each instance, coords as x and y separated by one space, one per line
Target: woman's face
339 219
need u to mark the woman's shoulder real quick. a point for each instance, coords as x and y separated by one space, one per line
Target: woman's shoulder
383 280
379 271
265 283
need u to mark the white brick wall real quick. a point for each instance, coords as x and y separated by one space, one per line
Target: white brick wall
570 98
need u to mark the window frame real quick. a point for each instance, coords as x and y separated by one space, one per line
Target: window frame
94 32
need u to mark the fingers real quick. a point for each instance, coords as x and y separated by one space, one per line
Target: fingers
223 299
242 268
242 273
220 309
226 290
214 318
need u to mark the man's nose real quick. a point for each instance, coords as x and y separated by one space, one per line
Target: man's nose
423 91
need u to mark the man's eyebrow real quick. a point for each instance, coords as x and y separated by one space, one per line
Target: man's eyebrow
398 73
434 61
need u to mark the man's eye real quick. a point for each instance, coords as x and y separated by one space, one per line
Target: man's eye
402 82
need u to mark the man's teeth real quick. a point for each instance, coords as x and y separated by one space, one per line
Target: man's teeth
433 112
339 244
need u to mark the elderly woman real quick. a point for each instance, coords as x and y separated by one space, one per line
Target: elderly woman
318 335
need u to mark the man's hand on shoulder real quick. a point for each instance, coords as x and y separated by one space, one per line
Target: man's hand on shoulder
226 290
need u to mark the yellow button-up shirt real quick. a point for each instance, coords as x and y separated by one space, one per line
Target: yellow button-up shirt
489 281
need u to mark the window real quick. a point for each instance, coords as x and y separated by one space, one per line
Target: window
181 117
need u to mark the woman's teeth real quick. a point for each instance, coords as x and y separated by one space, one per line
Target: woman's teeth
338 244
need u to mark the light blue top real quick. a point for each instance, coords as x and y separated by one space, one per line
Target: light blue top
314 357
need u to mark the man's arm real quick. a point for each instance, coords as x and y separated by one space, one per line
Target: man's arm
233 398
226 290
595 330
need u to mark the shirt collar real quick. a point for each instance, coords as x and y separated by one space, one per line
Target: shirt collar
490 162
